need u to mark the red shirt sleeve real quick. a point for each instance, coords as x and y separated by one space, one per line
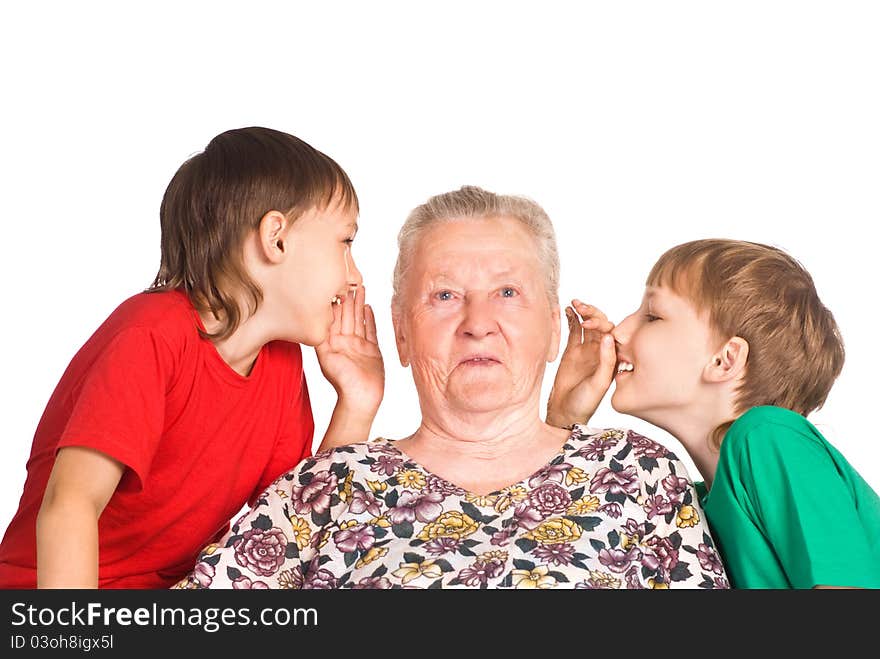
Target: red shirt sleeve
120 408
295 442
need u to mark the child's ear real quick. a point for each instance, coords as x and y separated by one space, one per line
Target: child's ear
400 338
272 233
729 362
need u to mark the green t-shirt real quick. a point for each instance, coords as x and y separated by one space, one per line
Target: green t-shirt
787 510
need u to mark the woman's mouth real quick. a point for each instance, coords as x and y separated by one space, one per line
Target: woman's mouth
479 360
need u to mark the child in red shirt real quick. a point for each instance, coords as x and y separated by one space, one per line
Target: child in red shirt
190 400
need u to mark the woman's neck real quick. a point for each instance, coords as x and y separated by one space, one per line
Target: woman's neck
484 452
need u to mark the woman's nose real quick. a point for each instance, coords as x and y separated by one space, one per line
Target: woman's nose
479 318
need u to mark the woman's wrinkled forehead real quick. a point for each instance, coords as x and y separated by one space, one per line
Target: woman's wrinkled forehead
462 251
458 246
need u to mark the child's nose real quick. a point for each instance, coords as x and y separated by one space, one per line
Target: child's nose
352 274
622 331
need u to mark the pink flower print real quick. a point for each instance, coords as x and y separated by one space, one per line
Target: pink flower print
618 560
386 465
657 505
314 496
550 499
358 537
615 482
709 559
244 583
424 506
362 500
644 447
261 552
596 448
554 472
661 557
203 574
675 486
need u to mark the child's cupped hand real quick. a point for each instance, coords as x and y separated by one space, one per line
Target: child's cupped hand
350 358
586 369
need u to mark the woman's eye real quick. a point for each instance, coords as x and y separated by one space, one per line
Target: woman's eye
508 292
444 295
348 241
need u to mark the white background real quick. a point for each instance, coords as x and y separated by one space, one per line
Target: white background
636 125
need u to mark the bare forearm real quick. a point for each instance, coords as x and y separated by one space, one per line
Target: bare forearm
348 425
67 545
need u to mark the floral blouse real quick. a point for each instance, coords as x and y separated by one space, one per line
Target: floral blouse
613 509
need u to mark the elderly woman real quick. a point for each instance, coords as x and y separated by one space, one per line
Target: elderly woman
483 494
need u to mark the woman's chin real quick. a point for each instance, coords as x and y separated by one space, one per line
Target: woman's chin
478 397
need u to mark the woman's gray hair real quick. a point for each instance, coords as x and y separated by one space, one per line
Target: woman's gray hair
471 202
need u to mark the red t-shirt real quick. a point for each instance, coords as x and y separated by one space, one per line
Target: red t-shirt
198 440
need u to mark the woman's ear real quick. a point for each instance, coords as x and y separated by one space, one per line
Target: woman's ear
400 338
272 232
728 363
555 333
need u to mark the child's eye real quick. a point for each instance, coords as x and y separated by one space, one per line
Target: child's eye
651 318
348 241
507 291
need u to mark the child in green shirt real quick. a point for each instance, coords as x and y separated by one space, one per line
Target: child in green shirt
729 351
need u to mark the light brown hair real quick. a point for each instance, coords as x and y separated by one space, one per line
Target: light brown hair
219 195
763 295
472 202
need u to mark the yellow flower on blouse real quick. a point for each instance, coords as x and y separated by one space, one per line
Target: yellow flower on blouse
382 521
285 579
345 490
481 500
584 505
605 580
627 541
657 585
412 479
495 555
409 571
377 486
302 532
537 578
687 517
576 475
555 530
372 554
510 495
452 524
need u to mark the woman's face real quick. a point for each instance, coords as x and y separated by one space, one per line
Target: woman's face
474 321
